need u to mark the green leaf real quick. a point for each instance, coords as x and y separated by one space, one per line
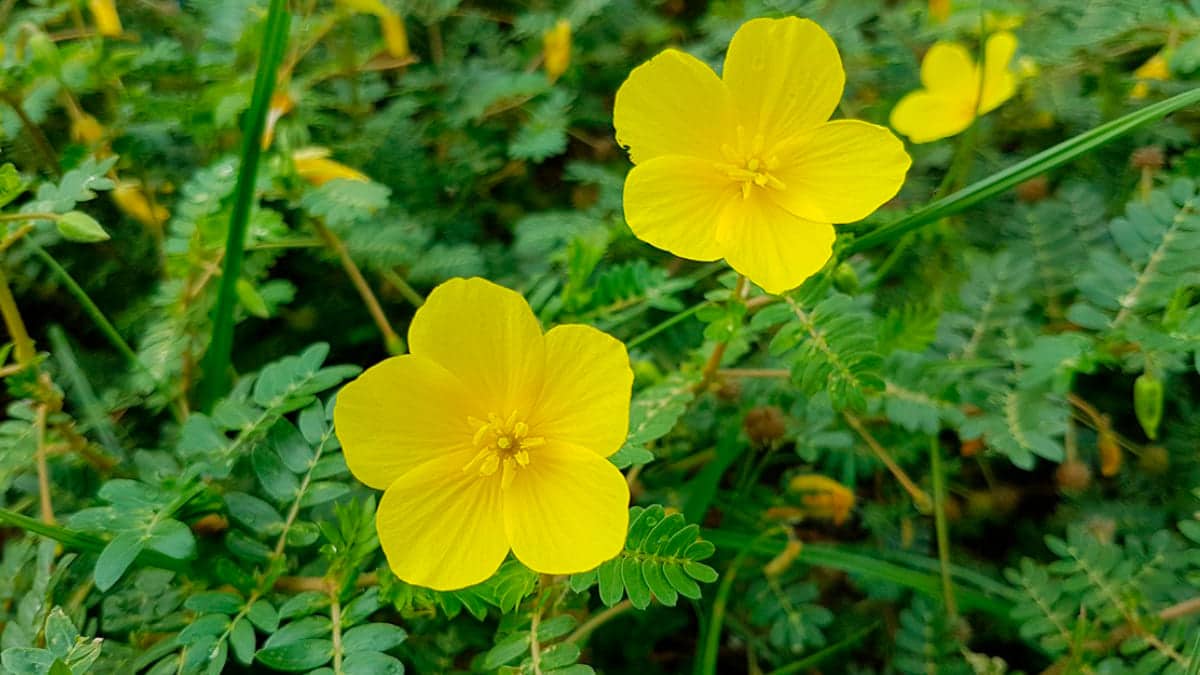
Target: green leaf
507 651
296 656
252 512
263 615
11 185
372 663
241 638
116 557
79 226
275 478
173 538
303 604
378 637
215 602
560 655
635 583
556 627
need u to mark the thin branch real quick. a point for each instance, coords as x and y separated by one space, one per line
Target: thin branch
587 627
43 472
920 498
22 344
391 339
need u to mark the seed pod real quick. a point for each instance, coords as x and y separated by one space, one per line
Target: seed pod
1148 403
765 424
1073 476
1110 453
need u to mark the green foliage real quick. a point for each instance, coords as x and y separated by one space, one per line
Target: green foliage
661 561
1047 340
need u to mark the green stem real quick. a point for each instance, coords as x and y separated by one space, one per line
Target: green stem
813 660
398 282
23 345
707 665
666 324
93 411
1042 162
217 361
943 534
81 541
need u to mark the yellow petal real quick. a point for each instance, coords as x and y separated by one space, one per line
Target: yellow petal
673 105
394 35
314 166
487 336
585 400
133 202
939 10
999 82
567 511
841 171
785 76
556 49
774 248
1156 68
443 527
399 414
675 203
925 116
948 69
104 12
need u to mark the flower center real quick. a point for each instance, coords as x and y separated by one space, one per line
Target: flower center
749 165
503 445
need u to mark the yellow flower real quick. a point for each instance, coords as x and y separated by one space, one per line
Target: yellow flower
491 436
1156 68
86 129
746 166
951 98
108 22
556 49
314 166
133 202
282 103
823 497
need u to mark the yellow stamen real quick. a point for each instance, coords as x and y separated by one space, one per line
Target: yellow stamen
503 446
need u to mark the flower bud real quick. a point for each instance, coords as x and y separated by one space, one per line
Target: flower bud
1148 403
765 424
556 49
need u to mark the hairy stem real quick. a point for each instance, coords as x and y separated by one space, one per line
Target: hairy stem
391 339
920 498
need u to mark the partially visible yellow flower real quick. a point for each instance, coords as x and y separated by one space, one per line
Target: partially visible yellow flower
556 49
491 435
86 129
104 12
939 10
746 166
391 23
282 103
313 165
823 497
1157 68
133 202
951 98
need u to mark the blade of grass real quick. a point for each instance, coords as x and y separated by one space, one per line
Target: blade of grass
216 378
1040 163
839 558
81 541
93 411
817 658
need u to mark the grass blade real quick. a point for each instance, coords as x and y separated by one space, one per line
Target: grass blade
1040 163
217 361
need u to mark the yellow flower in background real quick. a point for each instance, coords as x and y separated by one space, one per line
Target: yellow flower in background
282 103
313 165
491 435
392 24
86 129
131 200
1157 68
104 13
746 166
952 96
556 49
823 497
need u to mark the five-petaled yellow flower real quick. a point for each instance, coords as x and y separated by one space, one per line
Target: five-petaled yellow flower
491 435
747 166
953 95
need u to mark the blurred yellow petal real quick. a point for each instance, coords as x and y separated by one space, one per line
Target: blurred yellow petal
774 248
86 129
281 104
401 413
925 116
104 12
1156 68
443 527
999 82
314 166
676 202
567 511
841 171
673 104
585 400
556 49
394 35
948 67
487 336
823 497
133 202
785 76
939 10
